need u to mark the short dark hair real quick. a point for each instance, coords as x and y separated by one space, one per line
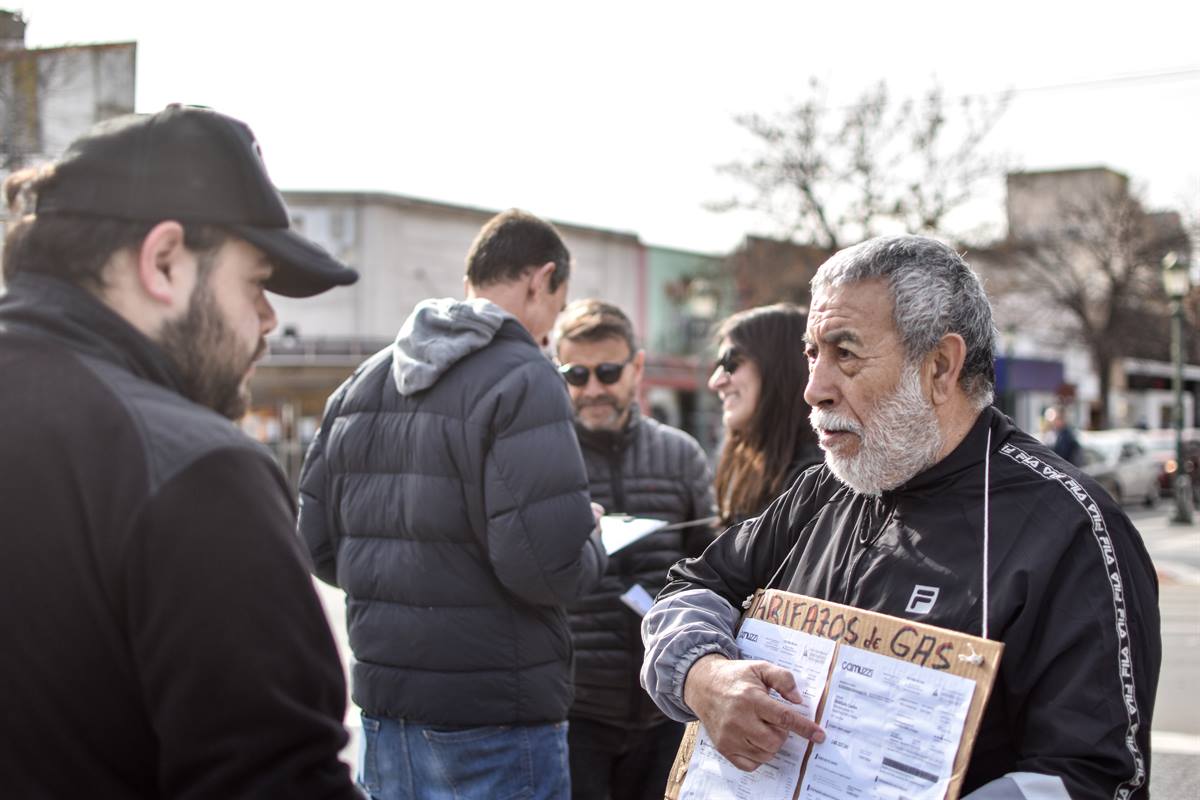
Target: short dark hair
510 243
74 247
592 320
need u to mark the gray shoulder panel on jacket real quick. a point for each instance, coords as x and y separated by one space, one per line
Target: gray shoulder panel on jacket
174 431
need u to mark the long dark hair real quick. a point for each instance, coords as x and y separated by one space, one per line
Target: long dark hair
755 462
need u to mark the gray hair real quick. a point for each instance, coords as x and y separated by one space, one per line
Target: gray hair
934 293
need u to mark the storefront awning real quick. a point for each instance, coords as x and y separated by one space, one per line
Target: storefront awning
1028 375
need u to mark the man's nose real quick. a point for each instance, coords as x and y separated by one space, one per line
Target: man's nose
594 385
266 316
821 389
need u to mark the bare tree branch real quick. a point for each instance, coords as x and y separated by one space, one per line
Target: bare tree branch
831 176
1094 254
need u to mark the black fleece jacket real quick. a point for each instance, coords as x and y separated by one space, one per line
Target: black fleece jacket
161 636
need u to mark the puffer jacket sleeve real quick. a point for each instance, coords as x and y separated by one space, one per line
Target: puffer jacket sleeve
540 530
318 529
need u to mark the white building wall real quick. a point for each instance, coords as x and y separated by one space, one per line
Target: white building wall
408 250
1045 202
332 314
75 87
80 86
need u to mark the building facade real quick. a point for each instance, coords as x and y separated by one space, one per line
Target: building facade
406 250
50 96
1088 234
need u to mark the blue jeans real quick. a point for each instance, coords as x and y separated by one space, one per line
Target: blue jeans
411 761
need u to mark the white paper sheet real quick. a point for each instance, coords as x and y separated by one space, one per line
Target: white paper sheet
621 530
637 599
807 657
892 729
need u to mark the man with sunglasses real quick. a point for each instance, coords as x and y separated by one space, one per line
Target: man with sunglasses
621 745
446 494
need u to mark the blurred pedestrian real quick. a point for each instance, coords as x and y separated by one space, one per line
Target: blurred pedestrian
1063 439
621 745
759 376
445 493
161 633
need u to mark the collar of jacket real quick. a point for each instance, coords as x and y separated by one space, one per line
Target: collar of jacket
47 308
606 441
969 453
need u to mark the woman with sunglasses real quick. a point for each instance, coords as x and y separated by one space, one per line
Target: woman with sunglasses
760 376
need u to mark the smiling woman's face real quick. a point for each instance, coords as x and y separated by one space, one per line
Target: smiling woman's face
738 382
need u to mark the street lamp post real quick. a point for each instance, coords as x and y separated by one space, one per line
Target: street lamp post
1176 282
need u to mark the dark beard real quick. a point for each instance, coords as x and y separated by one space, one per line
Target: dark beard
208 357
610 402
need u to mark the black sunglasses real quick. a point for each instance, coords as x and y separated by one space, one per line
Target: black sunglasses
729 362
607 373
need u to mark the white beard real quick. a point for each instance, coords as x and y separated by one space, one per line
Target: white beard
899 439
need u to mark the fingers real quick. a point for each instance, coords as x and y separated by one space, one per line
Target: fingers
780 680
792 720
748 752
746 723
744 763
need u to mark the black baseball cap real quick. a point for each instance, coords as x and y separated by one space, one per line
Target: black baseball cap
189 164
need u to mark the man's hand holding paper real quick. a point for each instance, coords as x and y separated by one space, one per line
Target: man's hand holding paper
732 699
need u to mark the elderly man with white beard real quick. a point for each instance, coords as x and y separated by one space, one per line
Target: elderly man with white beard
931 506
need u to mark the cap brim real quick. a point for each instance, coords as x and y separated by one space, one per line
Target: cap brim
302 268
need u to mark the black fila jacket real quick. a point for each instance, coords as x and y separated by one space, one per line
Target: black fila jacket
1072 594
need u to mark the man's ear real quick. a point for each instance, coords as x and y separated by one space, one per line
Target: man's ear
166 270
539 278
945 364
639 364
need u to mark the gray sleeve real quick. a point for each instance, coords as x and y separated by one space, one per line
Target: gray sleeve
1022 786
677 631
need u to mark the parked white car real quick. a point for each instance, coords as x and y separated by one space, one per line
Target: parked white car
1122 463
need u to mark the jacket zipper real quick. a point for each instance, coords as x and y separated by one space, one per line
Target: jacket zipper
866 538
615 457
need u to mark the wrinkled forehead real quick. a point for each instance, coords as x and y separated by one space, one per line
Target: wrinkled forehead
860 308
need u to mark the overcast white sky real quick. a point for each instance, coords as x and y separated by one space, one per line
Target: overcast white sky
614 113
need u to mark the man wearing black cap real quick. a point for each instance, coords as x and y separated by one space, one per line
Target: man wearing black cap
161 636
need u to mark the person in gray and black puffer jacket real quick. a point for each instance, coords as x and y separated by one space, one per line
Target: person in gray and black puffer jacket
621 745
446 494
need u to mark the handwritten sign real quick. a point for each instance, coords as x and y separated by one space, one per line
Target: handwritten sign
968 664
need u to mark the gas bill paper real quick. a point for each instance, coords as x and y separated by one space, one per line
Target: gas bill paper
892 728
710 775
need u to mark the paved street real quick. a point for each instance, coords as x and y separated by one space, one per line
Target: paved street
1175 771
